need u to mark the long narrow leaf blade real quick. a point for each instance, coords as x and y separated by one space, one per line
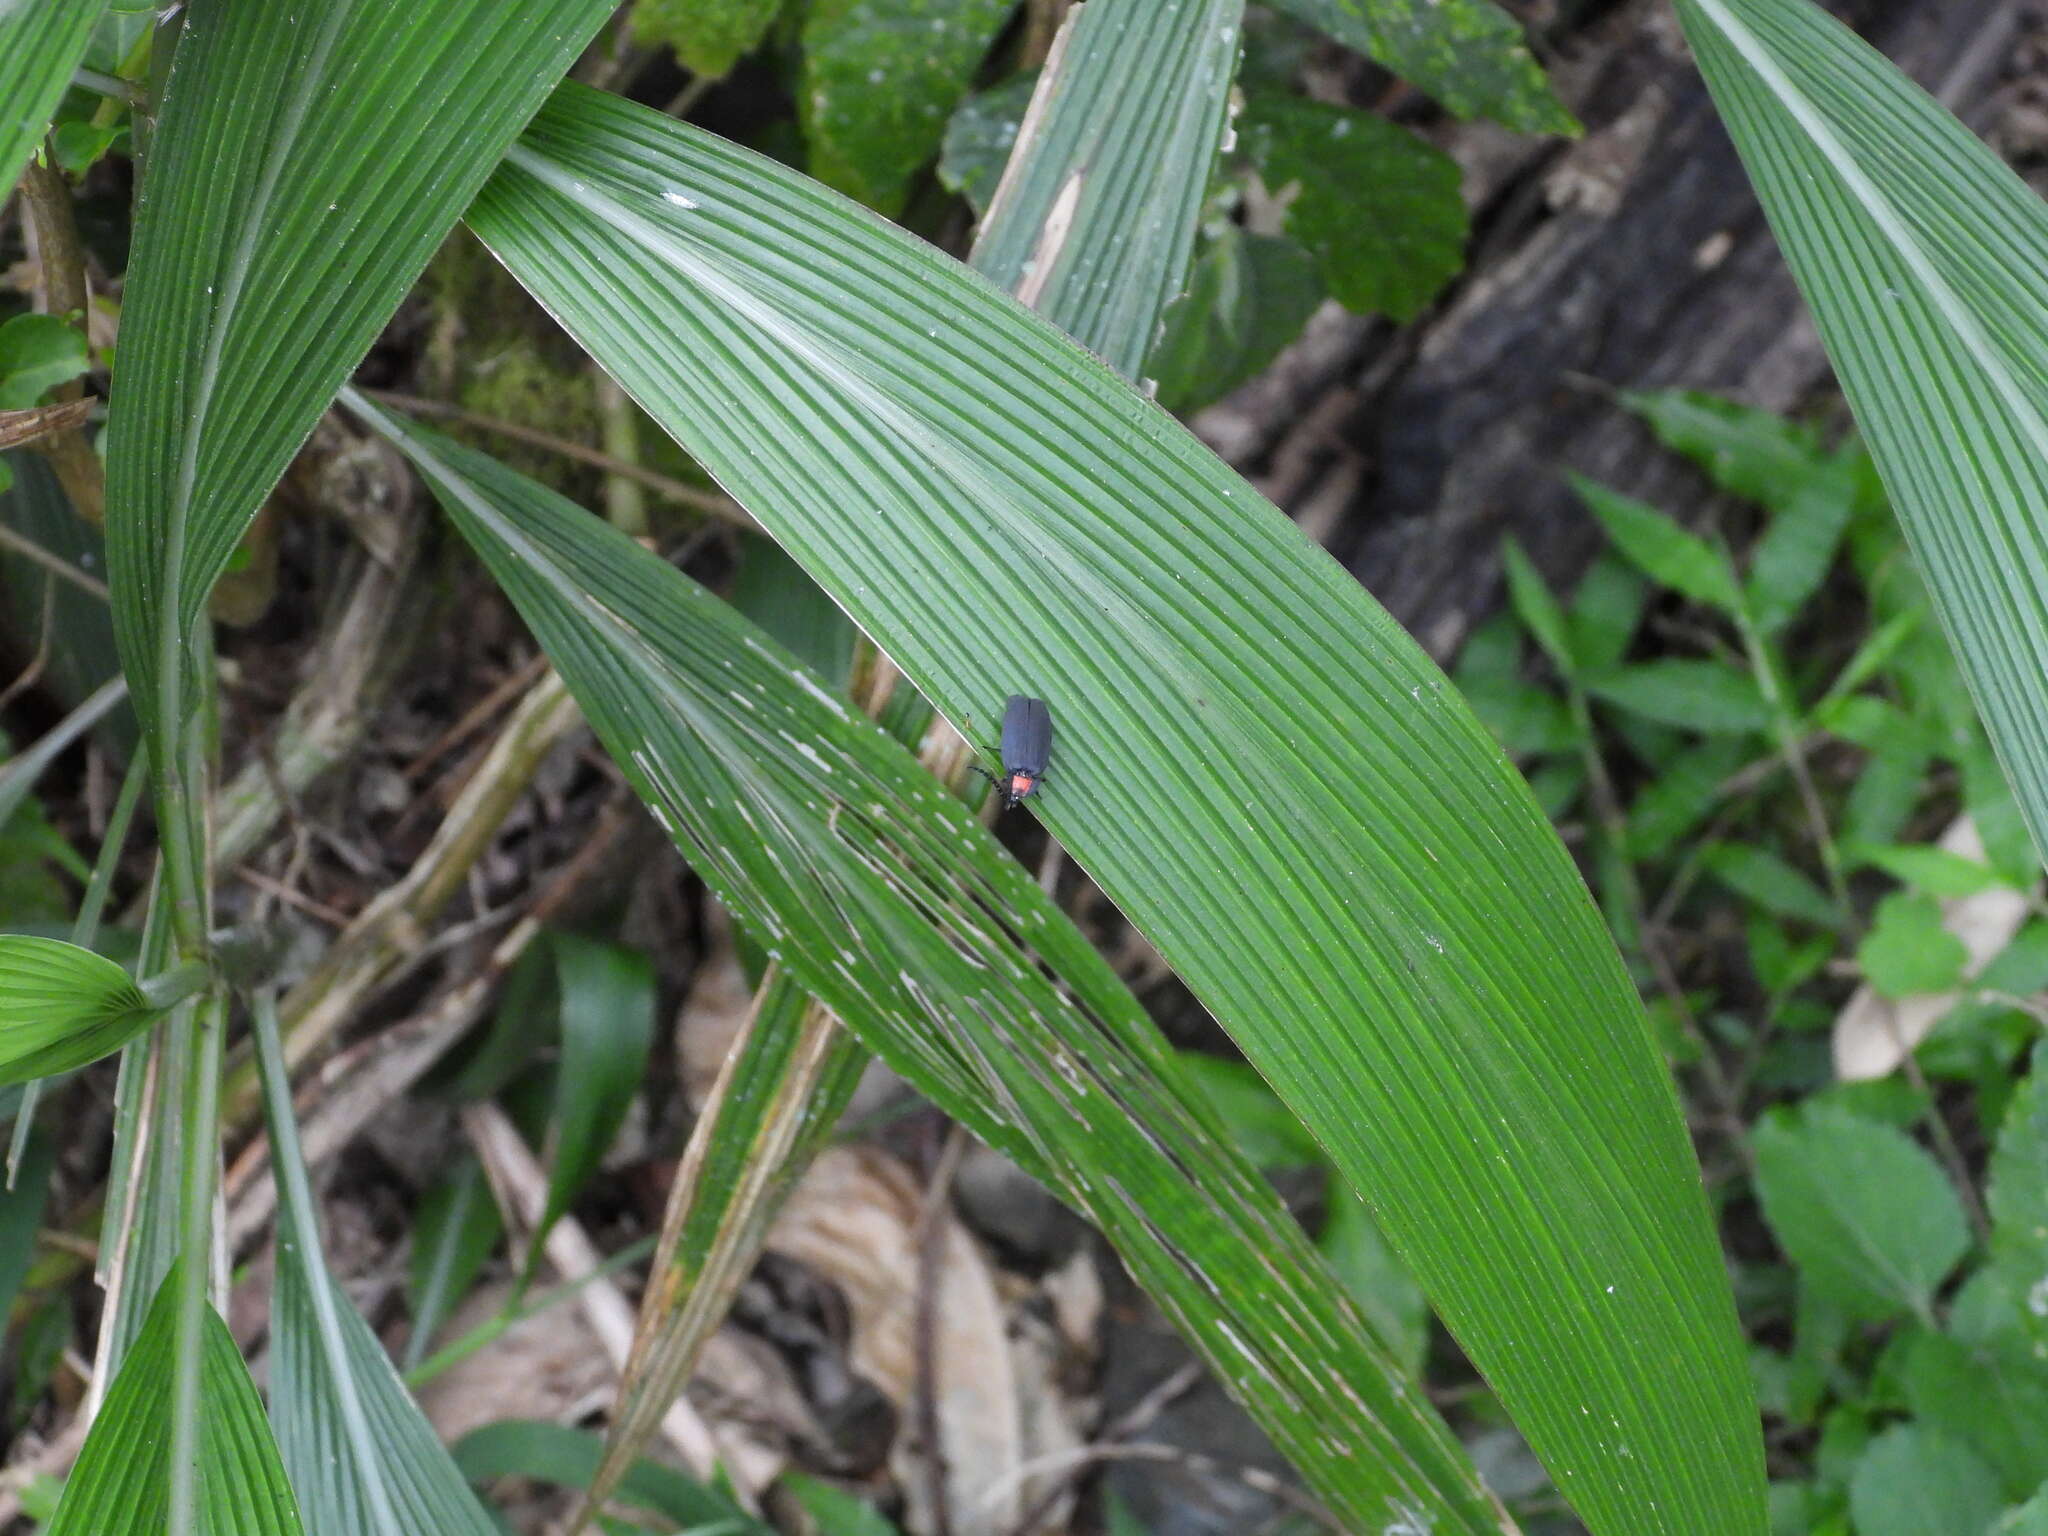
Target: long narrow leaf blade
1925 262
1269 777
891 906
1095 217
783 1087
41 42
362 1455
281 218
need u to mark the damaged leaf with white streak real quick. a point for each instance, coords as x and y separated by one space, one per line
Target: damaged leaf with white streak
890 905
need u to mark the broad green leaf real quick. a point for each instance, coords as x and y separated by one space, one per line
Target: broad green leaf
1873 724
892 907
279 222
979 137
2029 1519
1875 653
361 1454
41 42
1378 207
1246 744
38 352
1707 696
456 1227
1908 951
1933 870
1094 220
708 36
1663 551
880 79
1755 454
1248 296
62 1006
77 146
2017 1194
121 1484
555 1453
1468 54
1921 256
1991 1398
604 1004
1915 1481
1866 1216
1886 792
879 893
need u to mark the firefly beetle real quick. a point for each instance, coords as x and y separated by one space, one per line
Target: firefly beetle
1027 743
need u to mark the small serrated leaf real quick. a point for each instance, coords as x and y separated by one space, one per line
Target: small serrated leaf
880 80
1763 877
1468 54
1537 606
708 36
1864 1213
1378 207
1916 1481
1908 952
1706 696
1662 550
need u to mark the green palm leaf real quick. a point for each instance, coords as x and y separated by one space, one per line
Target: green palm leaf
1252 760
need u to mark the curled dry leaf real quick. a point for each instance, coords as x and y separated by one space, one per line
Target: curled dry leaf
1873 1033
854 1219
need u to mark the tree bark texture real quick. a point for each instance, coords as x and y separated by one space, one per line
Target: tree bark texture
1636 257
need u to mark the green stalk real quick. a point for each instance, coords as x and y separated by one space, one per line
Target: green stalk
1790 733
204 1023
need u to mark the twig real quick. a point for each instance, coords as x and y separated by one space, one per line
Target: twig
392 928
292 897
712 503
34 670
1133 1422
29 549
521 1187
51 226
480 714
359 654
1945 1147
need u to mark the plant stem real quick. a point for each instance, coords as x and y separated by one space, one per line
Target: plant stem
491 1329
1791 736
206 1022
